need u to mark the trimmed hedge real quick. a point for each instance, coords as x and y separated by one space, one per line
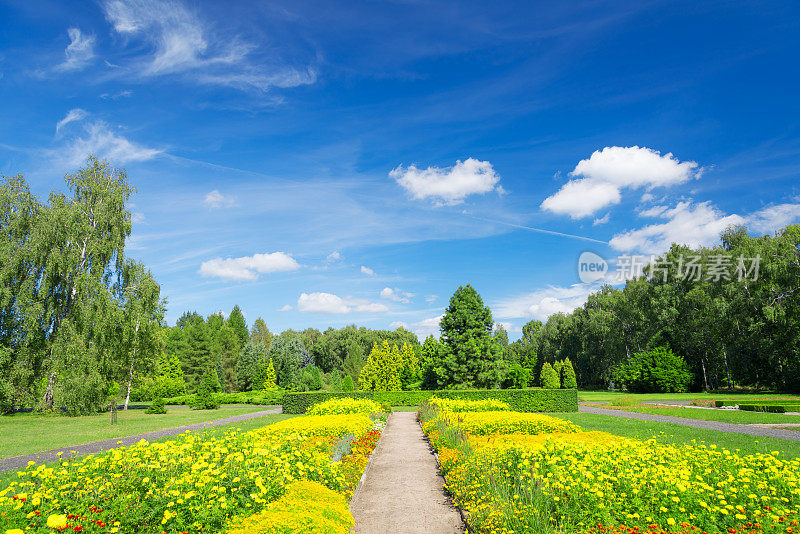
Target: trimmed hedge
753 402
771 408
520 400
263 397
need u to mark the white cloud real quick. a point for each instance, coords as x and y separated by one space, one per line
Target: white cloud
396 295
183 43
333 257
215 200
72 115
101 141
431 298
285 308
602 220
654 211
509 327
543 303
122 94
426 327
598 181
248 267
367 271
772 218
647 197
79 53
448 185
329 303
693 225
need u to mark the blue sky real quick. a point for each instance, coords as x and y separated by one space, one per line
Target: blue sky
328 163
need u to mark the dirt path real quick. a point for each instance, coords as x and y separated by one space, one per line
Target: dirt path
751 430
402 491
20 462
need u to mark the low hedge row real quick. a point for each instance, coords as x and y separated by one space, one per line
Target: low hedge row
244 397
521 400
751 402
771 408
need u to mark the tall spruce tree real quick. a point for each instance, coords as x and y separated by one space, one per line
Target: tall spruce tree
470 352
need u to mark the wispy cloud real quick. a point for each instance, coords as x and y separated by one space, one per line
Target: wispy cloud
216 200
183 43
79 52
99 140
73 115
247 268
396 295
329 303
366 270
450 185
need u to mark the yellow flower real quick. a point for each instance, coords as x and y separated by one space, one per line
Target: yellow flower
57 521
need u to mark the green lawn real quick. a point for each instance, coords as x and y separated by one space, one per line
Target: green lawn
611 396
29 433
673 433
725 416
405 408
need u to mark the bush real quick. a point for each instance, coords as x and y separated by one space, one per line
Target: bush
770 408
655 371
157 407
521 400
347 383
568 380
517 377
205 398
549 377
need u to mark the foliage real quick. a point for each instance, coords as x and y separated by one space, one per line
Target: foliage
306 506
287 353
383 370
75 313
270 378
469 351
656 371
517 377
731 331
205 398
307 426
549 377
157 406
568 380
347 383
523 400
311 379
250 372
345 405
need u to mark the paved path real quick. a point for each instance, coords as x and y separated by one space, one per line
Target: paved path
751 430
20 462
402 491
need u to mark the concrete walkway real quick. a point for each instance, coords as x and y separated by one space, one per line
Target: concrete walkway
20 462
402 491
751 430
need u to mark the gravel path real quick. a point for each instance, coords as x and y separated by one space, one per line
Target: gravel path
402 491
697 423
20 462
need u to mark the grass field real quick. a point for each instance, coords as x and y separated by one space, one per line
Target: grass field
679 434
611 396
725 416
29 433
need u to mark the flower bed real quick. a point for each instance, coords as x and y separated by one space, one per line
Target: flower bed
197 483
346 405
593 482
